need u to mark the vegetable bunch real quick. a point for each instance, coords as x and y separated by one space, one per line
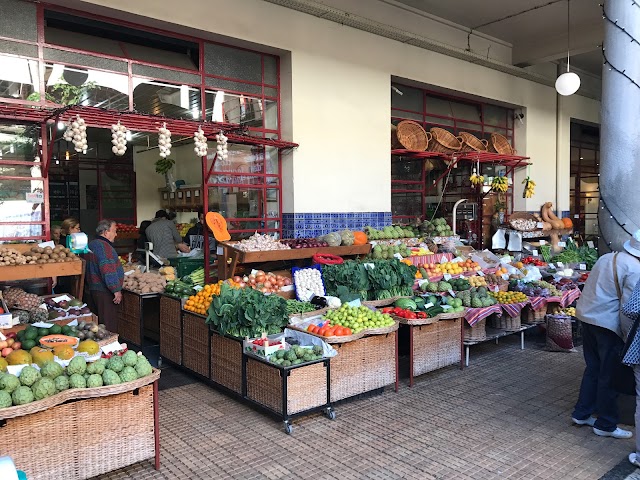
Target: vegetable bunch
247 312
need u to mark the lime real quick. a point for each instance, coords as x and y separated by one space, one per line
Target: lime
31 333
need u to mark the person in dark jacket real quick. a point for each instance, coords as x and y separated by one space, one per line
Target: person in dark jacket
195 235
142 239
105 274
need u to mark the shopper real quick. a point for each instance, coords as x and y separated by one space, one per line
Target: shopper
69 225
165 237
105 274
55 234
599 310
195 235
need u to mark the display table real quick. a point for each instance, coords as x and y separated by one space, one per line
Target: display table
231 257
496 334
288 392
128 430
131 315
47 270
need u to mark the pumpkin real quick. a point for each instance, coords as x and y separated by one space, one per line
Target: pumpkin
360 238
333 239
347 238
568 224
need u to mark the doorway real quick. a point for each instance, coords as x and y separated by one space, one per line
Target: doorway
585 168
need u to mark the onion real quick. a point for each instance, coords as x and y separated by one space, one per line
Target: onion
243 284
287 281
280 283
245 279
264 290
252 281
259 272
279 277
237 279
252 277
268 284
260 278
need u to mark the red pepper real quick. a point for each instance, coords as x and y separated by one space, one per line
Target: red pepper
387 310
411 315
421 315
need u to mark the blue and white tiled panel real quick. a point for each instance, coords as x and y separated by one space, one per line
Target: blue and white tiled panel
299 225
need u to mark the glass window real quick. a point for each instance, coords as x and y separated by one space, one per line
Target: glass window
61 56
496 116
242 109
164 74
399 115
17 48
19 78
464 111
270 70
439 106
18 20
232 62
411 98
160 98
219 84
19 143
69 85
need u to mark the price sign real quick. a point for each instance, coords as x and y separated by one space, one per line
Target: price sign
373 243
398 256
576 216
443 260
354 303
447 277
543 242
480 273
551 265
495 288
456 260
539 225
590 244
452 294
370 266
560 265
535 253
562 244
428 305
446 307
582 266
505 276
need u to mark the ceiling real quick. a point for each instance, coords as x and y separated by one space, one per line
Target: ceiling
537 29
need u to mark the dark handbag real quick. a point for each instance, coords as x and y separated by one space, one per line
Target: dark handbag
623 379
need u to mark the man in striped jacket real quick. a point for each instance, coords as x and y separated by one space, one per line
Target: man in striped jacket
105 274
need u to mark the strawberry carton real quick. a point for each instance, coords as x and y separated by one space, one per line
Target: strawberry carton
265 345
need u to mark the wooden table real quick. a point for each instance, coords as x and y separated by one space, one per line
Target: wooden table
231 256
47 270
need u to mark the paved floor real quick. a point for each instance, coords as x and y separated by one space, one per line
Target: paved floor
506 416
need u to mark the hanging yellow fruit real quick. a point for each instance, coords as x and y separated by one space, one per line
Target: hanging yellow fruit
500 184
529 188
476 179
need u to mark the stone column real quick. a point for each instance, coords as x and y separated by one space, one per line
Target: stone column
620 127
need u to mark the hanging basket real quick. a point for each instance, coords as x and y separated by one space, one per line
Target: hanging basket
500 144
410 136
443 141
470 143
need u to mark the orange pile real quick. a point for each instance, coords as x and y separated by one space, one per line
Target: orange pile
199 303
329 331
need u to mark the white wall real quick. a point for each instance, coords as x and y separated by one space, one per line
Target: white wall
340 99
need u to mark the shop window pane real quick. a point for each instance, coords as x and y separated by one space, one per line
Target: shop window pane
117 198
465 111
69 85
467 127
501 131
496 116
439 106
411 99
439 122
16 48
273 203
273 225
271 92
159 98
406 170
233 108
242 159
164 74
20 231
18 20
271 158
162 57
234 86
60 56
270 70
237 202
406 204
398 116
19 78
232 63
19 142
271 115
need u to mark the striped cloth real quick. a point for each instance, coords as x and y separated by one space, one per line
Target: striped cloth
570 296
474 315
538 303
513 309
435 258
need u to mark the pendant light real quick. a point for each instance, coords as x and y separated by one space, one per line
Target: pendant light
568 83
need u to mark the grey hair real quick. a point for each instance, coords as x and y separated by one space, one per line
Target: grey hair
103 226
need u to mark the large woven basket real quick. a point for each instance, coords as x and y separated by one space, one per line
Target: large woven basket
443 141
523 216
500 144
477 332
471 143
504 322
171 329
436 346
195 344
532 316
129 317
226 362
409 135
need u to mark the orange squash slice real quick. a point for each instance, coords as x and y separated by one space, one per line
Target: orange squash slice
52 341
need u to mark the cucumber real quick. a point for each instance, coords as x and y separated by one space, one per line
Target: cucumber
433 311
424 273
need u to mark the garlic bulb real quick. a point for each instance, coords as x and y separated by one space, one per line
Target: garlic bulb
200 139
119 139
221 147
164 141
76 132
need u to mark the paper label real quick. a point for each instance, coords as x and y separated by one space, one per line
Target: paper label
428 305
47 244
552 265
562 244
590 244
582 266
457 260
16 369
42 325
480 273
539 225
130 272
370 266
495 288
422 282
452 294
446 307
543 242
443 260
398 256
534 253
111 347
560 265
354 303
66 298
373 243
36 197
219 251
446 277
505 276
576 216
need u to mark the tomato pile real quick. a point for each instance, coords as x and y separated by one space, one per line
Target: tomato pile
533 261
404 313
326 330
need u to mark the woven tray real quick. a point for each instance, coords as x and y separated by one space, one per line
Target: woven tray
500 144
471 143
416 321
436 346
321 311
334 339
444 141
385 302
382 330
409 135
76 394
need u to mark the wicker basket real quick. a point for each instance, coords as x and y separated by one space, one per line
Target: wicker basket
381 330
502 287
443 141
504 322
381 303
129 318
471 143
500 144
171 329
196 343
226 362
436 346
362 366
532 316
306 386
320 311
523 216
410 136
127 417
477 332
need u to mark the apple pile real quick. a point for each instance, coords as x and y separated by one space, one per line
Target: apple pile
9 345
124 228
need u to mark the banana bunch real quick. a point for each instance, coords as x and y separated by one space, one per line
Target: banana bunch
164 165
529 188
476 179
500 184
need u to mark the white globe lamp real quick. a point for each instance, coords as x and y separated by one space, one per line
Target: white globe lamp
567 84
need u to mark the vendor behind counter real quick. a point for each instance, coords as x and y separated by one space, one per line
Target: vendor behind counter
165 237
195 236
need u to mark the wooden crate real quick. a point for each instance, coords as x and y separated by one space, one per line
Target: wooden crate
436 345
123 436
196 343
226 362
171 329
363 365
306 386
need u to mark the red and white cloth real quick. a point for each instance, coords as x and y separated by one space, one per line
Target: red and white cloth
513 309
474 315
435 258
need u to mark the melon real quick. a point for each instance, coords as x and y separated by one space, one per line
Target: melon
90 347
64 352
52 341
42 356
19 357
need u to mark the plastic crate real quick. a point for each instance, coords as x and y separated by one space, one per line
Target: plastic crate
184 266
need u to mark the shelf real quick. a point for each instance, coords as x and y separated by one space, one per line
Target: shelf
482 157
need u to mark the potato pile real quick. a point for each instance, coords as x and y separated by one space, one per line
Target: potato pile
57 254
144 283
9 256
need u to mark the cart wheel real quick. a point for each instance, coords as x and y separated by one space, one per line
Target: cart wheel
288 428
330 413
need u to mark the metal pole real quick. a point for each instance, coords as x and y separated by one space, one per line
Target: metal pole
620 130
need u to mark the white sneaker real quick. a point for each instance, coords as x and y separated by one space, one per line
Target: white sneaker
587 421
633 459
617 433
